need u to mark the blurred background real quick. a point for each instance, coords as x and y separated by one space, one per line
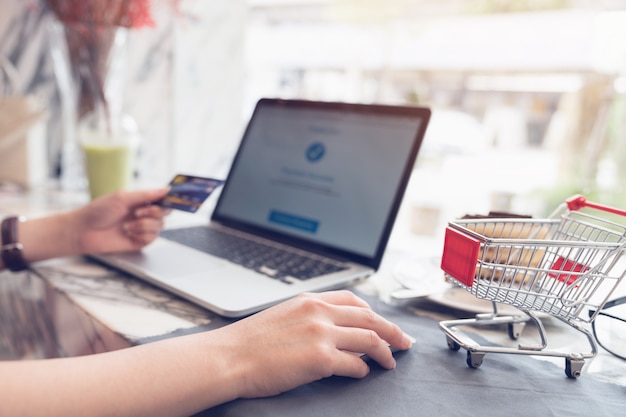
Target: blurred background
527 96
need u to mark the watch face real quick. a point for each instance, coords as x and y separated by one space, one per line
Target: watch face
13 257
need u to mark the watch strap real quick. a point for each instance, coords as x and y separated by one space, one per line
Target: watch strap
11 251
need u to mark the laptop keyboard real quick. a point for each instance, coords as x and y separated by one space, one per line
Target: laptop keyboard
273 261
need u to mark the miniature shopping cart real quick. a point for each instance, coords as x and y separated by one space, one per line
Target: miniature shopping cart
561 266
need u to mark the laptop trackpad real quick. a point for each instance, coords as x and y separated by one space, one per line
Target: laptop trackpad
167 259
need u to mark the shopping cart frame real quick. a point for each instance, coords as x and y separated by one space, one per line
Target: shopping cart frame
560 266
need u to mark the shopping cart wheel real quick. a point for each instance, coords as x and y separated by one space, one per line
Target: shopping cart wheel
515 330
452 344
573 367
474 359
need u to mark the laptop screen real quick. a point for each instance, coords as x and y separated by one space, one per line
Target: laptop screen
327 175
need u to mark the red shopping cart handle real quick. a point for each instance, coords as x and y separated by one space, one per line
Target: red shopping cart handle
578 202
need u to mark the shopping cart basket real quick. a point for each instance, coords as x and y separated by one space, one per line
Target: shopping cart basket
561 266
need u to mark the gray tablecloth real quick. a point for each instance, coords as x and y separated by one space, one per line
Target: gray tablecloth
431 379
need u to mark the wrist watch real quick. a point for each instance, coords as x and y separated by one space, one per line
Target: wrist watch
11 250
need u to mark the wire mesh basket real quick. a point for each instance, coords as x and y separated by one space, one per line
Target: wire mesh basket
562 266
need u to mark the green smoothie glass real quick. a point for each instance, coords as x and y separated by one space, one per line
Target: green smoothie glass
109 167
109 160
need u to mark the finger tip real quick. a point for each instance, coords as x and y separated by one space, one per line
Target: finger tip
388 364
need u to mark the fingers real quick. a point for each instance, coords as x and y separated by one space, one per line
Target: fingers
143 197
140 235
143 230
351 365
146 224
358 329
365 318
362 341
356 312
151 211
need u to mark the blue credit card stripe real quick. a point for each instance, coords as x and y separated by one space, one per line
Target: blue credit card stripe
188 192
296 222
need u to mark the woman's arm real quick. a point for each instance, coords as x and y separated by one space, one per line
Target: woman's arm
120 221
310 337
305 339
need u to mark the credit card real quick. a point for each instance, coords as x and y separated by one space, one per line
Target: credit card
188 192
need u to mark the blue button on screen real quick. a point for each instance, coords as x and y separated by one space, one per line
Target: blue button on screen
296 222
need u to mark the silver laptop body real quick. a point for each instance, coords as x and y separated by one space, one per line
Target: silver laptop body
323 179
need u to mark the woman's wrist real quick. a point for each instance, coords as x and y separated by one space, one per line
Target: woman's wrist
48 237
227 368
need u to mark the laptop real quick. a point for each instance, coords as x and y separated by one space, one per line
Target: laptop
312 193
